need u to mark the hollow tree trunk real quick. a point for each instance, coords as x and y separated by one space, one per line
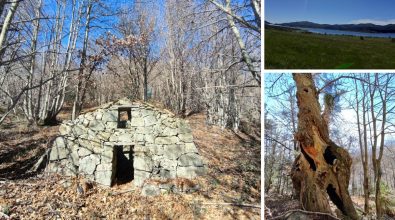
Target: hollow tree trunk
323 168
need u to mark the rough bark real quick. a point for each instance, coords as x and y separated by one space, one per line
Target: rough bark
323 168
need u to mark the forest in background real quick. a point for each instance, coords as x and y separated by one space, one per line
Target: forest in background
360 112
200 59
190 56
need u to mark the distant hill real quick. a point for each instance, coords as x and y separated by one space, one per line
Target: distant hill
370 28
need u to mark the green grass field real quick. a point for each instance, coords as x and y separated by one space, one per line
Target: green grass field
295 50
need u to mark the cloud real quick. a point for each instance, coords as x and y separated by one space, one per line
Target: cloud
373 21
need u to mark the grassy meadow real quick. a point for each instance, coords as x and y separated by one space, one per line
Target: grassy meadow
285 49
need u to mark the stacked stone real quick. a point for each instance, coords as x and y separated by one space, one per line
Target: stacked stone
163 145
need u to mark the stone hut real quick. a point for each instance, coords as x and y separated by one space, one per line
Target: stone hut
124 141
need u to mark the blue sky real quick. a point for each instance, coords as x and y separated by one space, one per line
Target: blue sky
276 100
331 11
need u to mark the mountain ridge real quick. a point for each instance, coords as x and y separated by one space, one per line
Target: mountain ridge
363 27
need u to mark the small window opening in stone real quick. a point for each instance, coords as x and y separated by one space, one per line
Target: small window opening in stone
124 115
124 164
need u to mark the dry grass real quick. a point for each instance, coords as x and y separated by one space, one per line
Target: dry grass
233 177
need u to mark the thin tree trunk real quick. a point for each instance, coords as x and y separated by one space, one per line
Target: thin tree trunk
280 170
52 91
383 98
256 6
244 53
145 81
36 23
268 177
363 147
77 105
6 25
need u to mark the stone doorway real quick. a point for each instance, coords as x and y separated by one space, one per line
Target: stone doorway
124 157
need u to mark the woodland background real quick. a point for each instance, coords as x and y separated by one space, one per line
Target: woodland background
361 113
191 56
201 59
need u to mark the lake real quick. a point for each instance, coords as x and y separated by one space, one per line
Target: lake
352 33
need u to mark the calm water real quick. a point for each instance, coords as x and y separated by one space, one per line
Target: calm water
352 33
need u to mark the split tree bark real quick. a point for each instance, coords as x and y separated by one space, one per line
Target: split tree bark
323 168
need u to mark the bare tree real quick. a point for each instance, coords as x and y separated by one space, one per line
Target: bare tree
77 105
232 17
95 10
361 102
380 94
138 30
197 67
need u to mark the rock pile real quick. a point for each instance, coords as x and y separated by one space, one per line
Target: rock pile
158 145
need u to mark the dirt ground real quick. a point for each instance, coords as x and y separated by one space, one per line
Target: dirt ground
277 206
230 190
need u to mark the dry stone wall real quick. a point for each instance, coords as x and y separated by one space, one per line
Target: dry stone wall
162 145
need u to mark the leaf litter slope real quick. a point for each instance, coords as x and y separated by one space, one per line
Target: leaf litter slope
233 178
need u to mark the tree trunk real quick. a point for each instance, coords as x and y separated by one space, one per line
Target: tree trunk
270 168
77 105
6 25
145 81
31 113
280 171
379 208
244 53
363 144
323 168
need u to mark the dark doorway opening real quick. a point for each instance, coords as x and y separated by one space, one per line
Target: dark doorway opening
124 115
125 170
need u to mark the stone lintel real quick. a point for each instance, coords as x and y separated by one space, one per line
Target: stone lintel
113 143
116 107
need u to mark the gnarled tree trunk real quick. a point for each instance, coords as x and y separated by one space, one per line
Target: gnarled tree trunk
323 168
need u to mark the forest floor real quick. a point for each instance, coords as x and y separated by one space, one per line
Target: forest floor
230 190
279 205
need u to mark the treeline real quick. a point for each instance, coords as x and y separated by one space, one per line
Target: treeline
191 56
